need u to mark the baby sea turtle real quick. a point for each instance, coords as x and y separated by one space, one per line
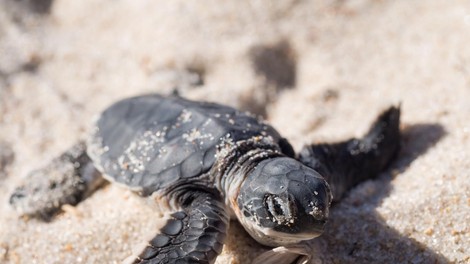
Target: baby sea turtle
207 163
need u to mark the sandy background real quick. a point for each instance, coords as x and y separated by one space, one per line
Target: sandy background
317 70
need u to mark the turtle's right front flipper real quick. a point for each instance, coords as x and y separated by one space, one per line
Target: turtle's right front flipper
193 235
67 179
348 163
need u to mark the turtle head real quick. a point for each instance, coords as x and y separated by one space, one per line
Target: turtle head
283 202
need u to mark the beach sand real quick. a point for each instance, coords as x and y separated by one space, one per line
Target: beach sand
317 70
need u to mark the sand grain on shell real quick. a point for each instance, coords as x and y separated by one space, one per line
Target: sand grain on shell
61 66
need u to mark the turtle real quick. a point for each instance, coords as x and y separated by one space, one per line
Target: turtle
207 163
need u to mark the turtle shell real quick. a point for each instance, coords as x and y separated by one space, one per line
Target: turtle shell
151 142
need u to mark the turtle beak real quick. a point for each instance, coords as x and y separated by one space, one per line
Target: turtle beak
320 216
316 207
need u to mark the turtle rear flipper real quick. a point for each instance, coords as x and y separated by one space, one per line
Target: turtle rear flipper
193 235
67 179
345 164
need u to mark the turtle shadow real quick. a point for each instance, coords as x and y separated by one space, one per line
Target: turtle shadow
357 233
417 140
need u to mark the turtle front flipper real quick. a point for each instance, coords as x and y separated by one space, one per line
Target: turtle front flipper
67 179
195 234
345 164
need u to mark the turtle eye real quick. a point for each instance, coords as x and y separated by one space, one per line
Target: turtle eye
279 208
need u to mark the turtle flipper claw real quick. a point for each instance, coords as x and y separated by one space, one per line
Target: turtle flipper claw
348 163
67 179
193 235
300 253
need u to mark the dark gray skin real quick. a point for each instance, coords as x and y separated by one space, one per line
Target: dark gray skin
208 162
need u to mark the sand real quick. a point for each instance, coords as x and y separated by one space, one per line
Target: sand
317 70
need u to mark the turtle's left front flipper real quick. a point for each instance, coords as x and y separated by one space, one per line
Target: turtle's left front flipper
195 234
345 164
